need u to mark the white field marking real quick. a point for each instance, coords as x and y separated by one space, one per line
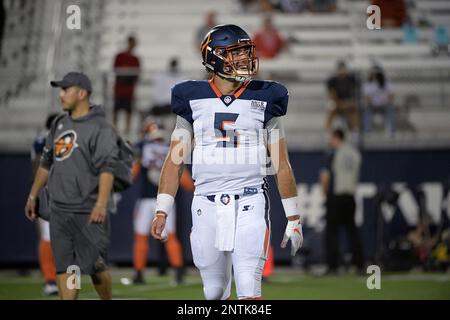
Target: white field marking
418 277
393 277
153 287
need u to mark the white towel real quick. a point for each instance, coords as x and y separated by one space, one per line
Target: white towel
226 222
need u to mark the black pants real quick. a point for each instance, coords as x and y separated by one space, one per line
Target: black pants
341 211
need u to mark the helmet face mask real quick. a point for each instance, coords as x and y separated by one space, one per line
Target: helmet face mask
240 61
228 51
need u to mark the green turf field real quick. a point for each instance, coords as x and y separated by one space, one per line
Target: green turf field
284 284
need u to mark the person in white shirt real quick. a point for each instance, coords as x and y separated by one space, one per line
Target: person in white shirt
378 99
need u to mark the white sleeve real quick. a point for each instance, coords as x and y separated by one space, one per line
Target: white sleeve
183 130
275 130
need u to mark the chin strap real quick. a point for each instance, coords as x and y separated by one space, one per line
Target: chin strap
235 77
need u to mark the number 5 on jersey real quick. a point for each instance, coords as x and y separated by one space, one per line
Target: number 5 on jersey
225 138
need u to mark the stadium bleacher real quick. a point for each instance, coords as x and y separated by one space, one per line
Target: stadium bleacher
317 41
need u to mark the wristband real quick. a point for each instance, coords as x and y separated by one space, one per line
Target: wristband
164 203
290 206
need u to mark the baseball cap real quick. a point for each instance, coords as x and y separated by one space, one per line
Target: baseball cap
74 79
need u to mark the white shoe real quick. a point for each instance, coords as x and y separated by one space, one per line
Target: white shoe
50 288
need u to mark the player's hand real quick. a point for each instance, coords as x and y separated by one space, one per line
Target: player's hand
30 209
158 224
293 232
98 215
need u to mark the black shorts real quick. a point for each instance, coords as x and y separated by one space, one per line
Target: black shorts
76 242
123 103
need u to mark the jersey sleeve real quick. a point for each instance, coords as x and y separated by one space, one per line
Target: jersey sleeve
180 104
275 130
279 102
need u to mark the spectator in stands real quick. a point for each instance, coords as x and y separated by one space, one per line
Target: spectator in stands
268 40
126 69
409 31
257 5
441 40
343 88
393 12
378 99
2 23
323 5
162 94
294 6
210 22
339 179
423 19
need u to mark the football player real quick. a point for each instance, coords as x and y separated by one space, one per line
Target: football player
234 122
46 260
151 151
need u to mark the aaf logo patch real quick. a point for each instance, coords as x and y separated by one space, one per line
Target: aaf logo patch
65 144
258 106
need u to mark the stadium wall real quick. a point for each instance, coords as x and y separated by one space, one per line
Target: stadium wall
408 172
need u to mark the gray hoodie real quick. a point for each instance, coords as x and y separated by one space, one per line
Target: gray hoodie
76 152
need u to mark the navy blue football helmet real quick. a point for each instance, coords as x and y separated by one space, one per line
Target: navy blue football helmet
228 51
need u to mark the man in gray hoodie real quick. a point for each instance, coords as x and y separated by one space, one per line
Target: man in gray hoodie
78 165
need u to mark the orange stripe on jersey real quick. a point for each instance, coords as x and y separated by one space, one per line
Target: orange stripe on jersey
226 122
266 241
214 87
269 266
239 92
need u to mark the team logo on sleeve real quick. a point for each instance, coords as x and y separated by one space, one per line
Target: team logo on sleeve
65 144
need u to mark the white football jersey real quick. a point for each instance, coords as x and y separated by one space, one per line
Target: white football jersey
229 154
154 154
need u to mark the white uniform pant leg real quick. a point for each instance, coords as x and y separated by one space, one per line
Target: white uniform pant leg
214 265
44 229
251 245
143 215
